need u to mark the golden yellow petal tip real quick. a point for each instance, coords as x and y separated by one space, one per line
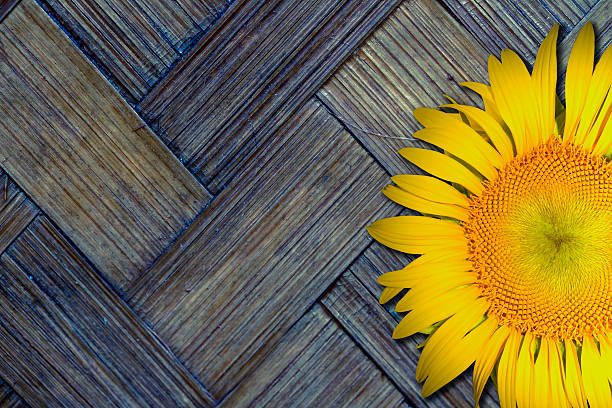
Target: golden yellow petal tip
553 33
426 392
587 29
395 335
417 112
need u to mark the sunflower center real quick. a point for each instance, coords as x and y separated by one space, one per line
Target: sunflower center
541 242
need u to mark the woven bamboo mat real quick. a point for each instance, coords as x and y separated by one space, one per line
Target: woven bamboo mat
184 188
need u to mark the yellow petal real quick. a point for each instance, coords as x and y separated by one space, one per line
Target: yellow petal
542 389
453 135
411 275
500 81
605 349
424 206
573 377
388 294
415 299
601 133
427 330
455 116
578 78
416 234
462 355
423 265
486 360
417 227
431 188
412 247
490 126
468 121
462 145
513 91
556 374
596 100
429 117
525 373
435 286
594 375
506 371
443 167
487 98
523 95
435 310
450 332
544 76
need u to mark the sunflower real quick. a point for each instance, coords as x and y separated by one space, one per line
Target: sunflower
514 273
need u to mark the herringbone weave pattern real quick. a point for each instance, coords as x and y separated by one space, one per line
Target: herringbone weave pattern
184 187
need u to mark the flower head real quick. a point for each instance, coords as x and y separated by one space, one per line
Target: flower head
515 241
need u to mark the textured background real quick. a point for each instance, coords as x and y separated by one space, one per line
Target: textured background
184 187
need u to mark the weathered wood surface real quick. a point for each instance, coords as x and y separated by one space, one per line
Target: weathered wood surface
83 155
521 26
13 400
407 63
570 12
66 339
9 398
243 81
16 211
135 42
353 301
6 6
599 15
298 373
291 113
265 249
518 25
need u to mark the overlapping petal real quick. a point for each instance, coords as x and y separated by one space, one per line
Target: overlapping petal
446 298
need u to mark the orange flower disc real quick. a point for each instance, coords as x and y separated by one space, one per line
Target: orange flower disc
540 235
